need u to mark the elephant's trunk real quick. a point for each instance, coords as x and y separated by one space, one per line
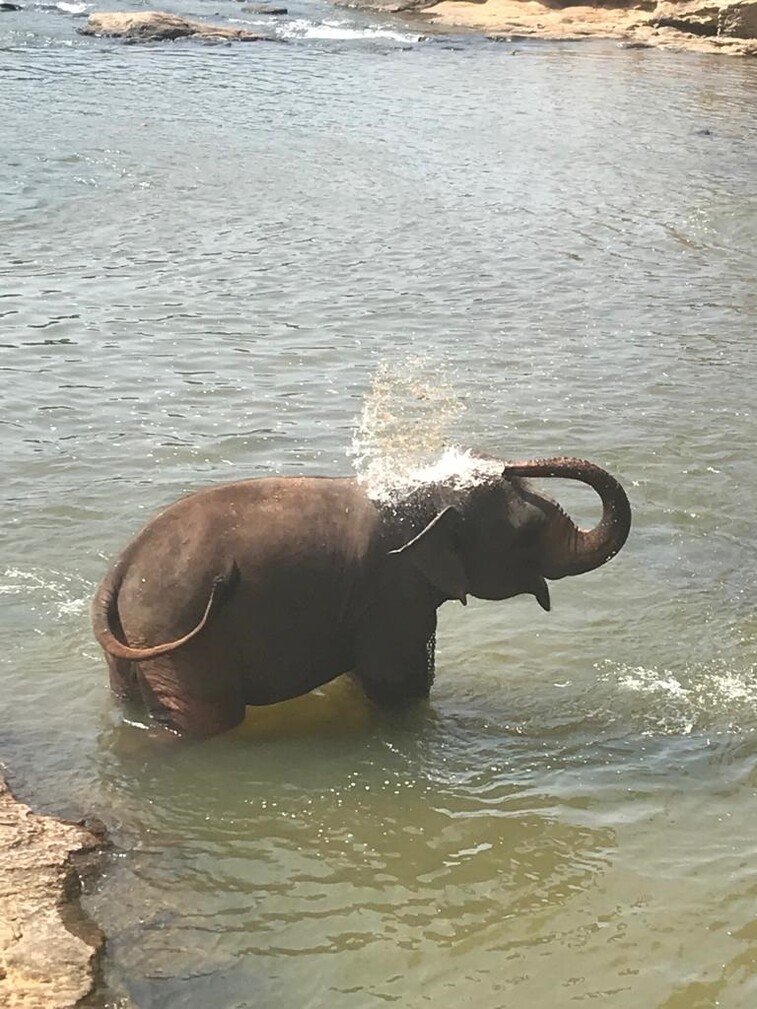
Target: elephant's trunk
565 549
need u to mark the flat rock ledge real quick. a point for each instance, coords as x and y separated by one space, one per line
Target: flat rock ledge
159 26
706 26
49 949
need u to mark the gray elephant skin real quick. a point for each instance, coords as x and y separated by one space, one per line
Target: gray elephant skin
261 590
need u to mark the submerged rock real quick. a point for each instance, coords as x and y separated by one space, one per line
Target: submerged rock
159 26
393 6
49 949
263 9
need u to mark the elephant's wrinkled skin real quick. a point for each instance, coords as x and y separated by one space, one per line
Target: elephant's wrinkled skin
259 591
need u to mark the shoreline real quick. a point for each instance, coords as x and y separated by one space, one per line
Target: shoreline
716 27
50 950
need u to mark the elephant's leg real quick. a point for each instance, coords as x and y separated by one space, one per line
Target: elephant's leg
395 663
123 680
191 700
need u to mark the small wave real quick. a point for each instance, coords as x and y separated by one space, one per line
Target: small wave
301 28
71 8
53 591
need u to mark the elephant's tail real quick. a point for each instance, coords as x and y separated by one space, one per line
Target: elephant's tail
105 616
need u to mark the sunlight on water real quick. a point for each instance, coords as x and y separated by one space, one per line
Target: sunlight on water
338 708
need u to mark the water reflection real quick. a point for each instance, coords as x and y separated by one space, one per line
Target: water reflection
309 836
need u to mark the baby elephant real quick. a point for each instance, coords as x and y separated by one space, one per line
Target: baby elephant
261 590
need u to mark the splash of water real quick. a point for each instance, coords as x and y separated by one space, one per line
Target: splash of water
713 696
404 436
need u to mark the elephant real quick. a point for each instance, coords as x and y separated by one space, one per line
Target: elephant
260 590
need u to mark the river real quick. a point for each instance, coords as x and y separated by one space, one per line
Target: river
225 261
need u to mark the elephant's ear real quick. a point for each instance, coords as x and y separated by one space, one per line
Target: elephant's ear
436 554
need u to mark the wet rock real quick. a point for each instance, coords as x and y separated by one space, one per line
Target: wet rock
727 19
159 26
697 18
732 19
49 949
9 7
263 9
739 20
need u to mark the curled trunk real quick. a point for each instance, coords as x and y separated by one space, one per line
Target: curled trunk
566 549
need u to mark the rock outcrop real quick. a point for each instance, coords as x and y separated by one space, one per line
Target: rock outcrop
724 20
714 26
49 950
159 26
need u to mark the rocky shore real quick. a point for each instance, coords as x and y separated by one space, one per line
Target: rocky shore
49 949
707 26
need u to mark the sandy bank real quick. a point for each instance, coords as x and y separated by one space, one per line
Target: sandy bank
49 949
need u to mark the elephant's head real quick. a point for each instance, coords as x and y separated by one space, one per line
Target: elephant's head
499 538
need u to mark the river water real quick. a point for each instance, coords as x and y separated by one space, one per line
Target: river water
355 248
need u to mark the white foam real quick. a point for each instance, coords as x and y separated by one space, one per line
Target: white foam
650 681
301 28
71 8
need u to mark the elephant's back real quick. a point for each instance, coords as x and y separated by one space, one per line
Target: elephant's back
291 539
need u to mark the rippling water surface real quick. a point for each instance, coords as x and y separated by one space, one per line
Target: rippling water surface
227 261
